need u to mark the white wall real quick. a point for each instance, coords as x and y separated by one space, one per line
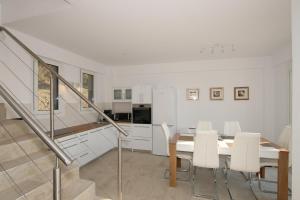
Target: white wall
0 13
296 97
267 77
70 66
203 75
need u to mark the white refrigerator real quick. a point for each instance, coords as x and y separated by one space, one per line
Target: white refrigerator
164 106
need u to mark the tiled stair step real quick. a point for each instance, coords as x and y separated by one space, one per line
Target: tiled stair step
10 150
16 127
37 188
23 169
20 138
7 165
78 190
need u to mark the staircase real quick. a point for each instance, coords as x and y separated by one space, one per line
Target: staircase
28 156
26 167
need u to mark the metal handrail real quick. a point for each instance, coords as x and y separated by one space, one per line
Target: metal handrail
70 86
37 129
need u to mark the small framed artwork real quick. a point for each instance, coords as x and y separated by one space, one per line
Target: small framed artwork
216 93
192 94
241 93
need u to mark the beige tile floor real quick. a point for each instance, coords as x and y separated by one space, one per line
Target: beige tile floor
143 180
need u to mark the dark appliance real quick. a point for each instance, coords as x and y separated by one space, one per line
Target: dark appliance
141 114
122 117
109 114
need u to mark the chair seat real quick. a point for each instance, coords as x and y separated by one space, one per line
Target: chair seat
184 155
266 162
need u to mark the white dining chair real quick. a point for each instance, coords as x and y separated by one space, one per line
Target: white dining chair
244 157
181 155
204 126
206 156
231 128
285 141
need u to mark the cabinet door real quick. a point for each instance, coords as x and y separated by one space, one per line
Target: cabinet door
118 94
147 94
142 144
94 141
128 94
136 95
142 130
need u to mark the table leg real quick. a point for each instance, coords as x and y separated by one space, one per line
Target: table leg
178 162
282 177
262 172
173 164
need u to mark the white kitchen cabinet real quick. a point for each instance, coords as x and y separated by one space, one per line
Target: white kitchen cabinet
140 136
142 130
122 94
86 146
142 94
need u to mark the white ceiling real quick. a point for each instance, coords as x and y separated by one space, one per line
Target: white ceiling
125 32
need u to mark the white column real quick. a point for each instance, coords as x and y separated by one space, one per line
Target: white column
296 97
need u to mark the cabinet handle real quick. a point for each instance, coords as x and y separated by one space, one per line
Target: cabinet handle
68 139
141 139
106 127
83 141
142 126
71 146
84 155
94 131
84 135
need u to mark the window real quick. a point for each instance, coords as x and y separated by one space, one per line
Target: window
87 81
43 89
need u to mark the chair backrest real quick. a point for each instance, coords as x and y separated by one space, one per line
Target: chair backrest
245 152
206 150
203 126
285 141
231 128
166 131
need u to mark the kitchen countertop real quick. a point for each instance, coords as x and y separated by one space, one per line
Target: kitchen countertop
77 129
81 128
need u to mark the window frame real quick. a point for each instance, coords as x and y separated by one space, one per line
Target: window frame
35 90
84 71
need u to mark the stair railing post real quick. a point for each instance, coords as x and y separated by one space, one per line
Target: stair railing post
56 169
120 167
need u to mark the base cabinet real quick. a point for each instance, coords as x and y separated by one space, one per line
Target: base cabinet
140 137
87 146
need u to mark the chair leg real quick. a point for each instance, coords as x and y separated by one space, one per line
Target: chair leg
216 185
251 185
227 183
260 180
207 196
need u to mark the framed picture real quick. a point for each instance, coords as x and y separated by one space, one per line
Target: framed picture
241 93
192 94
217 93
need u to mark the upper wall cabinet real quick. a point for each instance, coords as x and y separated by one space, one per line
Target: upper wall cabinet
142 94
122 94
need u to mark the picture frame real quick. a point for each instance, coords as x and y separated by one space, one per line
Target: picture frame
192 94
216 93
241 93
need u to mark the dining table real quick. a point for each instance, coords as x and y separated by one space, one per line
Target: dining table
185 143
